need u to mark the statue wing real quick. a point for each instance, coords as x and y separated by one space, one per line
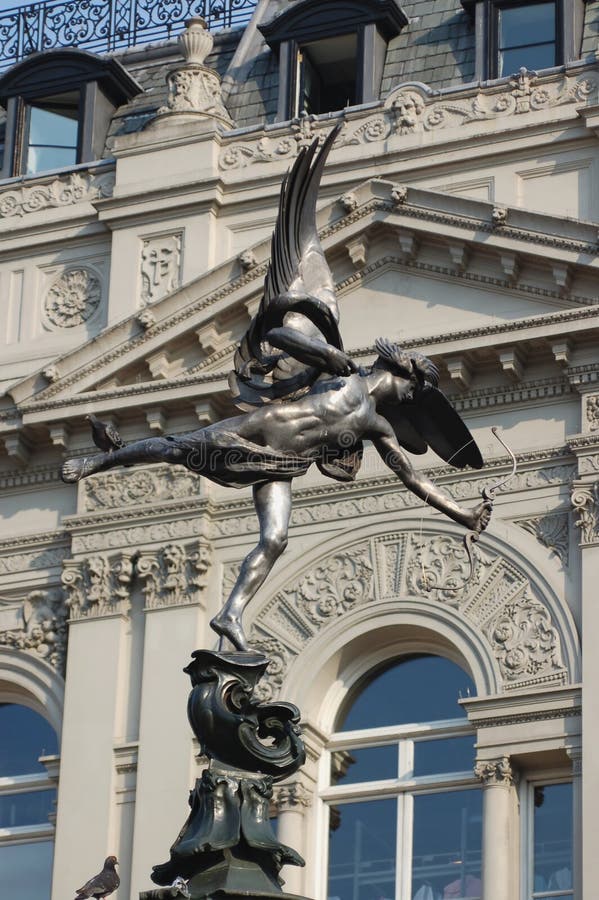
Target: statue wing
298 290
429 420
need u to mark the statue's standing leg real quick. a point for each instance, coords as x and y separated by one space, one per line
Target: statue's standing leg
272 500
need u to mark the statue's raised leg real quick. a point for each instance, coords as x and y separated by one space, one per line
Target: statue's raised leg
150 450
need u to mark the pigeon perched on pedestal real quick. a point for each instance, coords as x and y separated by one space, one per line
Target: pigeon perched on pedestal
105 435
102 884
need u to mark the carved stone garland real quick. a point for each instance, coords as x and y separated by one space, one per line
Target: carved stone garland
500 602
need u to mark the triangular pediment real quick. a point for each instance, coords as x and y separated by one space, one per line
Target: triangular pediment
429 269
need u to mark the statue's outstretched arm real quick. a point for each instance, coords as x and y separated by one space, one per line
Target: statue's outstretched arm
394 457
311 351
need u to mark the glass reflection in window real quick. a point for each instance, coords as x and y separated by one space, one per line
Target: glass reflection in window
552 841
25 737
27 870
52 133
526 36
362 850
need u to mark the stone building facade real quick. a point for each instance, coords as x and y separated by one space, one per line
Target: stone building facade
458 213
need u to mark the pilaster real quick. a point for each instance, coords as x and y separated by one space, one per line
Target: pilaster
291 801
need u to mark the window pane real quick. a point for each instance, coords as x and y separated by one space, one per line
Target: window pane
24 736
523 25
447 755
362 849
27 870
553 837
53 132
29 808
447 844
541 57
367 764
416 689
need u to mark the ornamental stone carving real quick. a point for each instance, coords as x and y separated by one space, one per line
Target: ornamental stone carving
72 298
44 558
98 585
293 796
585 500
64 191
495 771
409 111
497 600
136 487
194 89
160 266
176 575
36 626
552 532
592 412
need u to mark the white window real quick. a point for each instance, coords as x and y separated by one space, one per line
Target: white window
27 803
549 806
403 809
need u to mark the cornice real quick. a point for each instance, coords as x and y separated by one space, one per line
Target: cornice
31 477
33 539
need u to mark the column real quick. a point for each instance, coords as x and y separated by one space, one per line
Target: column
575 754
291 801
499 870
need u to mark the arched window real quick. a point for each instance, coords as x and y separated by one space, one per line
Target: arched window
27 803
404 809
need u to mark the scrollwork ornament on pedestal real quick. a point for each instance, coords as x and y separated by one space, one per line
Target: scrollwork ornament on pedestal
585 501
227 843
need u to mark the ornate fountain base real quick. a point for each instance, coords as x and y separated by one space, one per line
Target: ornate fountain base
227 847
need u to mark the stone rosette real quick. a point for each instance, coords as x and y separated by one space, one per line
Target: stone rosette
72 298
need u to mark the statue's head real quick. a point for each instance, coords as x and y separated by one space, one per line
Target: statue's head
392 358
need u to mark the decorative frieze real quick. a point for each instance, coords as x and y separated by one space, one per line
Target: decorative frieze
551 531
585 501
64 191
495 771
72 298
175 575
98 585
36 626
160 266
31 560
409 111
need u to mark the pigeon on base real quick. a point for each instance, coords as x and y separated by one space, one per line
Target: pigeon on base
105 435
102 884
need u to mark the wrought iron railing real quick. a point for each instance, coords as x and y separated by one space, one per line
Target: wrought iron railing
104 25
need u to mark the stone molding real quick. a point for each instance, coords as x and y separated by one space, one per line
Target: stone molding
98 585
136 487
552 531
64 191
35 552
413 109
585 501
38 626
495 772
175 575
499 602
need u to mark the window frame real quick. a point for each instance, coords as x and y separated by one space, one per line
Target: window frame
403 788
21 148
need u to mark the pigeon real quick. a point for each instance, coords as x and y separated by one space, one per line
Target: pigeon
102 884
105 436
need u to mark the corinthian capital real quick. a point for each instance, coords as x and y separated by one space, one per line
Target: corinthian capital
495 771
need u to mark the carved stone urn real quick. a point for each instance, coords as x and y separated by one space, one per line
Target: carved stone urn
196 41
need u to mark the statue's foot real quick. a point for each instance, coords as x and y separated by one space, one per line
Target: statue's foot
75 469
230 627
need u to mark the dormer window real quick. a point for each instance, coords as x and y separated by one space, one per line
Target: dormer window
526 36
331 55
537 35
52 133
58 108
327 77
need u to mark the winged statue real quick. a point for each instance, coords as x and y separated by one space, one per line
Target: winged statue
305 402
